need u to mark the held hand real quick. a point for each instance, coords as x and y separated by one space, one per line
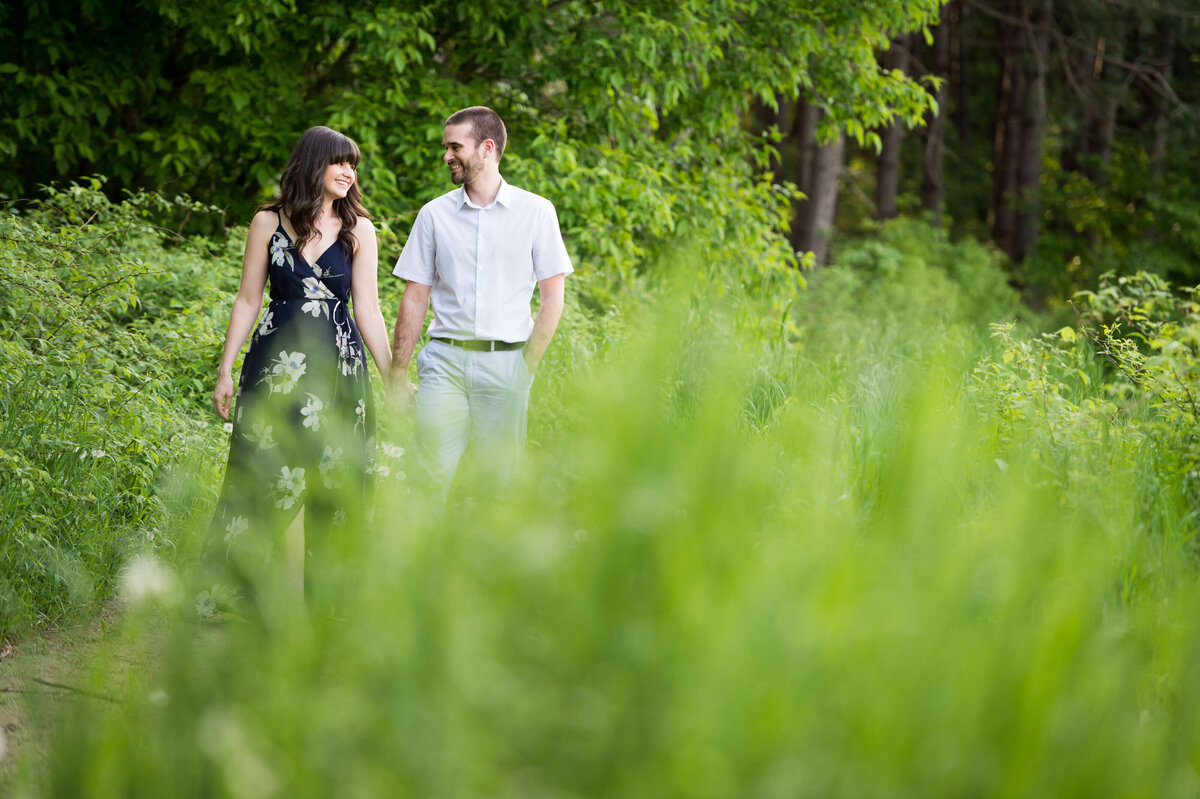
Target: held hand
222 396
400 391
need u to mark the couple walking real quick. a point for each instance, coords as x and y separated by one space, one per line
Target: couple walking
303 423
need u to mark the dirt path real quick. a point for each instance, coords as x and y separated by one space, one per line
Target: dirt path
43 671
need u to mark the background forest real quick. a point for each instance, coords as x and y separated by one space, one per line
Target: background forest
865 461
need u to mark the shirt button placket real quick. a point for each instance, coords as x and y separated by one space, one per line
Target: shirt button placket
480 299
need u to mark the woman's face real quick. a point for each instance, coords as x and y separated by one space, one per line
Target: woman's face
338 180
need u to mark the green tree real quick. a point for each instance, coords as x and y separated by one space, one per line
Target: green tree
628 114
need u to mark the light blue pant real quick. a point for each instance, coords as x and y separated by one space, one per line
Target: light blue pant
464 395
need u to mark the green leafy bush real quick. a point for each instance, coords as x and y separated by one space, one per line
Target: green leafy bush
908 268
1151 337
104 336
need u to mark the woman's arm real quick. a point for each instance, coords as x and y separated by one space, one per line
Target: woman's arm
364 291
245 307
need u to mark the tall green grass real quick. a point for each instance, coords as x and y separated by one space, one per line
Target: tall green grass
98 362
757 550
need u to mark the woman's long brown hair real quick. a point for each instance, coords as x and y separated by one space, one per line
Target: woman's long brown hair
301 186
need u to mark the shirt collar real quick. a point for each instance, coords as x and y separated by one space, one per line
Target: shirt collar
503 196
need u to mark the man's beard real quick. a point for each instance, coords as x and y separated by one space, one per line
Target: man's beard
465 173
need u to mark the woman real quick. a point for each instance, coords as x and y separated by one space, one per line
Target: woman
303 426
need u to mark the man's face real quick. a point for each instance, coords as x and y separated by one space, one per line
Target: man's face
464 155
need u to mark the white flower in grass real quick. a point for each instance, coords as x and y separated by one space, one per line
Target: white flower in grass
267 325
360 413
331 459
236 527
383 470
206 606
228 427
289 486
312 412
145 580
392 451
316 290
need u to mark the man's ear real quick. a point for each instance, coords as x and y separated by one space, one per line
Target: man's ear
489 146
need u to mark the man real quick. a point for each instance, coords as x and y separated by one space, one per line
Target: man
477 251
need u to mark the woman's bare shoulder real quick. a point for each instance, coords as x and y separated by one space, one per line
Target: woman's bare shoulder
264 219
364 227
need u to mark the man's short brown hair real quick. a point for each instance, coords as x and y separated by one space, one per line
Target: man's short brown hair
485 124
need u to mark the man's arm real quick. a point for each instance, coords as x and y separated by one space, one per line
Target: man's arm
413 305
550 309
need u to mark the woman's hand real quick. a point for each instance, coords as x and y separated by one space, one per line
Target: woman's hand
400 392
222 396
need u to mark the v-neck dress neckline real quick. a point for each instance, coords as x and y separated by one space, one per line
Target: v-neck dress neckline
292 242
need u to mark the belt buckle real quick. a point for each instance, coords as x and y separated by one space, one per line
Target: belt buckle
492 345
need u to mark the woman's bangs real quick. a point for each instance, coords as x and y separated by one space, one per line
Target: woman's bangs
344 151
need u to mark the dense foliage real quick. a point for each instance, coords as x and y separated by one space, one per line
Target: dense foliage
628 115
106 339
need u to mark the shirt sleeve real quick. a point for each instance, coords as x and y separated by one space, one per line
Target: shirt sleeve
417 261
549 252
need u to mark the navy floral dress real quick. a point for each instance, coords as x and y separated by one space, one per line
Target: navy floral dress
304 428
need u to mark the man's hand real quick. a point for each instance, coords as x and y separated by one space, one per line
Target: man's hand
400 391
550 310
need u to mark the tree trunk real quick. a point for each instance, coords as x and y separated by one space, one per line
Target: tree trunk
932 163
819 212
1027 220
1010 97
804 142
887 166
1161 109
1092 149
955 14
1020 125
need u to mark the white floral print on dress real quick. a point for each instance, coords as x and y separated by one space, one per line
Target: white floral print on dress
289 487
316 290
332 459
236 527
267 326
280 247
312 412
287 369
315 308
260 433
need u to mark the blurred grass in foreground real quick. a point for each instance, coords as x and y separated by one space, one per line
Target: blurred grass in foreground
736 567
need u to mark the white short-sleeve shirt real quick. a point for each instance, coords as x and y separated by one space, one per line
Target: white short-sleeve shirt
483 262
